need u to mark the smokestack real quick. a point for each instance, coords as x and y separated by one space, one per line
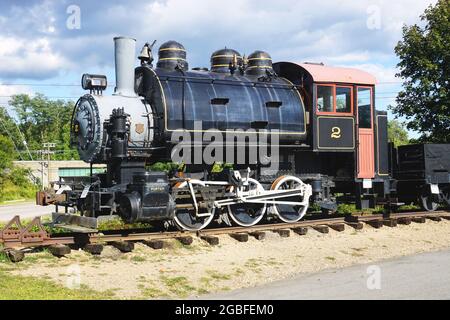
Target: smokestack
125 50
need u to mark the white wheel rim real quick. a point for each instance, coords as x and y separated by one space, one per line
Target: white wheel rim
429 206
206 222
256 221
302 212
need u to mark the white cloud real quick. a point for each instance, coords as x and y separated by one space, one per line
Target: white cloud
6 91
22 58
332 31
37 18
384 74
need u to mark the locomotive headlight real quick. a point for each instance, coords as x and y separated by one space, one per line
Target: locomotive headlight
94 82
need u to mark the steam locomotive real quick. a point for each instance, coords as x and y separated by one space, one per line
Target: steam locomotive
252 140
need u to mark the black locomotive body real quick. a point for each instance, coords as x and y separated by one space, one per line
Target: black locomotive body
283 135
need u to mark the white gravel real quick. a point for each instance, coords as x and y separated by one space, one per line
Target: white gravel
198 269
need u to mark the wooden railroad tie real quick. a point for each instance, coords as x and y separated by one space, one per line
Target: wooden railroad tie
284 233
59 250
351 218
321 228
418 219
376 223
339 227
390 222
15 255
301 231
356 225
185 240
155 244
258 235
241 237
435 218
93 248
123 246
404 220
212 240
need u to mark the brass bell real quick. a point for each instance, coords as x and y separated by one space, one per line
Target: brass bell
145 53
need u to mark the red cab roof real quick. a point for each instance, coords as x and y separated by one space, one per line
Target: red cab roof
321 73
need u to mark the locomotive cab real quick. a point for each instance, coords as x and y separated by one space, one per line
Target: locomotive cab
348 136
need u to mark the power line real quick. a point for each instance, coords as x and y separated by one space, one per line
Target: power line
24 141
55 151
40 84
11 138
68 97
78 85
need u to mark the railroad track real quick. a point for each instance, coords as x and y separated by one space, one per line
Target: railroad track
14 236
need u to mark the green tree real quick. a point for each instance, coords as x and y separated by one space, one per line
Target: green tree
424 65
42 120
9 130
6 159
15 182
397 134
6 154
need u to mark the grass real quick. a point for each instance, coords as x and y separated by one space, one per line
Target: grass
119 224
212 279
178 286
29 288
44 220
3 256
217 275
11 192
152 292
40 256
344 208
138 259
408 207
254 265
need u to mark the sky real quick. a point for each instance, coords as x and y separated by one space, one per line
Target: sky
45 46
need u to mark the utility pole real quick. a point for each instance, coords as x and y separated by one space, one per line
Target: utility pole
46 150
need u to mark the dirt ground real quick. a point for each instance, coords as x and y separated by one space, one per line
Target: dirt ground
191 271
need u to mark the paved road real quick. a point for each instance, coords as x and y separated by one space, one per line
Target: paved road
424 276
24 210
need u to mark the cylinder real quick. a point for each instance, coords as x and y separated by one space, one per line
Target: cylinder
222 59
118 148
258 63
125 50
172 54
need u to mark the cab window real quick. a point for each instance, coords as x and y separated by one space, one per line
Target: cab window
365 108
343 99
325 99
334 99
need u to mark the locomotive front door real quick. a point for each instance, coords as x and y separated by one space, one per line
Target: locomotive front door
366 149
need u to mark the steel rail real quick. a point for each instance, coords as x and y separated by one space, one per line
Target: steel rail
139 235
